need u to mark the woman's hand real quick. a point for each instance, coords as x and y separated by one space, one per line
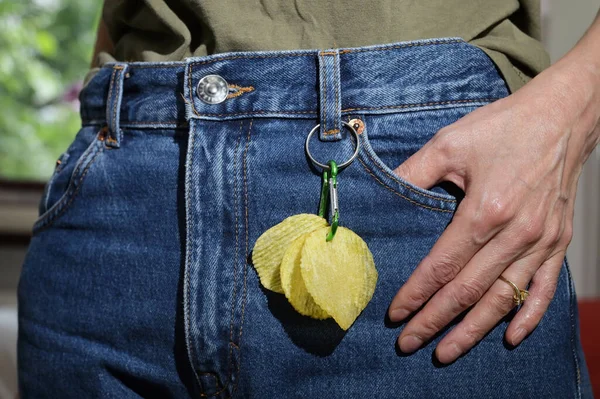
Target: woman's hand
518 161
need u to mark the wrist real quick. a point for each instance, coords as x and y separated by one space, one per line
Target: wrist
571 87
579 70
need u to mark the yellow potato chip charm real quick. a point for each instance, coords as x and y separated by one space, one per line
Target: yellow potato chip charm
339 275
323 270
272 244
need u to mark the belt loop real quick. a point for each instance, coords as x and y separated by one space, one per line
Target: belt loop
330 99
113 105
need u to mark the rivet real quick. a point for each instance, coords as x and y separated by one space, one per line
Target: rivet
358 125
212 89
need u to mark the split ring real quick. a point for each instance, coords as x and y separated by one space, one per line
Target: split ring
339 166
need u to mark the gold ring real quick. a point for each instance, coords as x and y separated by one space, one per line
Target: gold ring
520 295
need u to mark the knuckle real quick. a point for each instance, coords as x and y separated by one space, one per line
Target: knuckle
443 143
414 298
531 231
498 210
567 234
552 235
502 302
444 269
432 324
547 292
467 294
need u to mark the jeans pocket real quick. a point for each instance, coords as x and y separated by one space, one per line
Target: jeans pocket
69 173
388 140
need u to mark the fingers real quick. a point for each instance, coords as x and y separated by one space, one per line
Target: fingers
455 247
495 304
541 292
424 168
462 292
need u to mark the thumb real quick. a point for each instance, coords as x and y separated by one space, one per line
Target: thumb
423 169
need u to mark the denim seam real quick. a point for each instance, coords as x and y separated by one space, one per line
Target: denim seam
62 205
245 292
402 106
399 194
235 261
573 329
111 97
336 77
406 185
189 340
324 79
227 383
344 51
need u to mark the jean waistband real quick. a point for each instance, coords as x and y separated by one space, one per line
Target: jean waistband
379 79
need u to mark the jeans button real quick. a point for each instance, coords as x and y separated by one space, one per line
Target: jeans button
212 89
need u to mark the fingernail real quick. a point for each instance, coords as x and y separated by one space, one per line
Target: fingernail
519 335
410 343
454 351
398 314
448 353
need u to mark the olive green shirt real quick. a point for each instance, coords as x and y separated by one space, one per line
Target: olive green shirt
166 30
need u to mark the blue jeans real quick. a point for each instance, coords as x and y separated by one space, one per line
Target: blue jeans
139 279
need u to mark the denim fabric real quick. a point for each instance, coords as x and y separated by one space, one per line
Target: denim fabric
139 279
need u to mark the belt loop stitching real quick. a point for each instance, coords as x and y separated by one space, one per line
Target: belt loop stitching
328 69
113 105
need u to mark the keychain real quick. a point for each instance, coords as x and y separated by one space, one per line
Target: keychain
324 270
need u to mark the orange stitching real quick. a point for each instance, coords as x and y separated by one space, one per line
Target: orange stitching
400 195
331 132
240 90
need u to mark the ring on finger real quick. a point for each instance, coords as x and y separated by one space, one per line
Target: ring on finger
520 295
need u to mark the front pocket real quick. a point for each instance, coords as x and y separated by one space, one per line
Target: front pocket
390 139
70 171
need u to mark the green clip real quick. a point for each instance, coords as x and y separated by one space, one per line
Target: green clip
324 194
333 199
329 191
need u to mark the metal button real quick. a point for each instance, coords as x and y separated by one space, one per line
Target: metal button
212 89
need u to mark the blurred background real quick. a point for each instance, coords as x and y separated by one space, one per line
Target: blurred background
45 51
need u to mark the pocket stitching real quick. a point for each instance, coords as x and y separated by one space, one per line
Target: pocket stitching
395 178
400 194
56 210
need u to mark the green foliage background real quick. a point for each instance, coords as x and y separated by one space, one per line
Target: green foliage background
45 51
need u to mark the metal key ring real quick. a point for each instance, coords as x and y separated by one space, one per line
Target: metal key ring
339 166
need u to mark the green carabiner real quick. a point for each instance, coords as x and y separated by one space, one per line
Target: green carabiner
324 194
333 199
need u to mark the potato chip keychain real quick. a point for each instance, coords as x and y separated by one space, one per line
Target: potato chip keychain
324 270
